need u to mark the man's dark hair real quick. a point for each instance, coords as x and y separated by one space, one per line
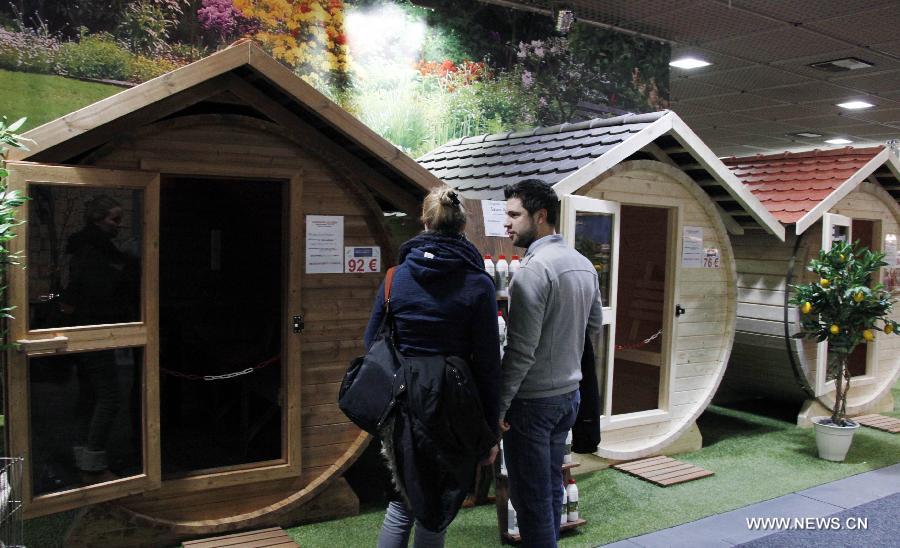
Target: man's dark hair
535 195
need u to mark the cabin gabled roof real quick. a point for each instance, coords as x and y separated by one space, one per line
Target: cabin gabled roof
256 85
798 187
570 156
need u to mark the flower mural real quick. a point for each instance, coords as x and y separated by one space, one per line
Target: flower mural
307 35
417 77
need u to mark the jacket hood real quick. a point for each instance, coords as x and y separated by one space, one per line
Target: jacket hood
431 255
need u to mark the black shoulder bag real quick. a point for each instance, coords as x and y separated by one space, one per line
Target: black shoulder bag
372 383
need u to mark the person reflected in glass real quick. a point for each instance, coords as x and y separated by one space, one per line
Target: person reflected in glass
443 303
103 288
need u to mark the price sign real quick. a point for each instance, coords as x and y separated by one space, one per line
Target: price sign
711 257
361 260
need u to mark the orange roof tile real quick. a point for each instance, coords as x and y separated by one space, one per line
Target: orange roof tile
790 184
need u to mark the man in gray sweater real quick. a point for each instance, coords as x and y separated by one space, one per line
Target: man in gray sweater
553 299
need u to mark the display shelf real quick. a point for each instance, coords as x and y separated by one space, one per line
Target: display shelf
514 538
501 491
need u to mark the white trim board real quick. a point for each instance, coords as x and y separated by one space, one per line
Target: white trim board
670 123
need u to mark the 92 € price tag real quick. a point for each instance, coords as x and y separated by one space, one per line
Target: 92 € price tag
361 260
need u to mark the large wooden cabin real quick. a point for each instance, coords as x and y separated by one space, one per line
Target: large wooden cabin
223 348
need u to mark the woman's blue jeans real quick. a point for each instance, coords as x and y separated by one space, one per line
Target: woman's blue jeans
534 447
398 523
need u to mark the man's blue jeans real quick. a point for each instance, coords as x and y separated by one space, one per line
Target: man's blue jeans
534 447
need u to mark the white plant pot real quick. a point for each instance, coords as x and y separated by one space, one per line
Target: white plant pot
833 441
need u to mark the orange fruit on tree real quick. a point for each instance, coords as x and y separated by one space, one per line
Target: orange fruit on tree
824 282
858 296
888 328
868 335
807 306
834 329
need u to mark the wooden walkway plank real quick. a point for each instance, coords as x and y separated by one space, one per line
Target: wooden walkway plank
273 537
663 471
879 422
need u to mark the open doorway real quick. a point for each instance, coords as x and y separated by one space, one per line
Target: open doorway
864 232
643 278
220 299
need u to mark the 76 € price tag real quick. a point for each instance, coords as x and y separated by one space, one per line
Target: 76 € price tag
360 260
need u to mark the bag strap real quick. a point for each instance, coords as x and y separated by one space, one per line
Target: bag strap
388 281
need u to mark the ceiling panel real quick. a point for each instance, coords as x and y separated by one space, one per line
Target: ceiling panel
780 112
872 26
812 91
735 101
779 44
876 83
802 12
751 78
683 88
705 21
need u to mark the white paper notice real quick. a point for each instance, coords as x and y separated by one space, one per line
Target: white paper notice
692 247
494 212
324 244
890 250
360 260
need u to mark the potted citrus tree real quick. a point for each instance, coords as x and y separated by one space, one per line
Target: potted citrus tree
846 309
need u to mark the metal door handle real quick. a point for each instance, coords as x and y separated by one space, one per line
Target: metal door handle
679 310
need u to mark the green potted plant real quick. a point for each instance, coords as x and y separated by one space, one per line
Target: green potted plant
845 309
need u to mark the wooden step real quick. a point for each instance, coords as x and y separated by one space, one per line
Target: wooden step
663 471
273 537
880 422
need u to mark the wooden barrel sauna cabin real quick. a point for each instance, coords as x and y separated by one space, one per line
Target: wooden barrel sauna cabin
202 254
819 197
653 208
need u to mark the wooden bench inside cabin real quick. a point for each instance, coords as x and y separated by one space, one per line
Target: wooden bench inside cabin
273 537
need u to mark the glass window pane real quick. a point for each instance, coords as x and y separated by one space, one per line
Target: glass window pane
86 418
593 239
84 262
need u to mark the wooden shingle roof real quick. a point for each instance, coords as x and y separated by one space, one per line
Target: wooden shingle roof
797 187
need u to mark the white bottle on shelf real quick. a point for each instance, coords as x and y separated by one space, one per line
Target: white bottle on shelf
501 279
501 328
564 515
512 524
489 266
514 266
567 455
572 506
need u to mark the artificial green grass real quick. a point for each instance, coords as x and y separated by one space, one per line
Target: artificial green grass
755 457
42 98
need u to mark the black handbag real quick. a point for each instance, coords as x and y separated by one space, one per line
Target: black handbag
372 383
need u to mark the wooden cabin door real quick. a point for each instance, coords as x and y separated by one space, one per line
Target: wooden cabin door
82 387
592 227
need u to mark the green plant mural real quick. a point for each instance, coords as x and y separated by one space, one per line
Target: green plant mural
419 77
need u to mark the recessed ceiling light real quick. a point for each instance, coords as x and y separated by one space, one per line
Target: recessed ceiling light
838 141
842 65
689 63
855 105
806 134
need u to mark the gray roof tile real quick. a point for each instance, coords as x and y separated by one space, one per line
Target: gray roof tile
482 165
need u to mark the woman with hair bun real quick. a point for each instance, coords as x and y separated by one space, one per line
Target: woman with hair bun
443 303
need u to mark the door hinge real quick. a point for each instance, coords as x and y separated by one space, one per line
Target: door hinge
679 310
298 323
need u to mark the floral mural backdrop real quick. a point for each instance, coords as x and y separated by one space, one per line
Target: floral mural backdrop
419 77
